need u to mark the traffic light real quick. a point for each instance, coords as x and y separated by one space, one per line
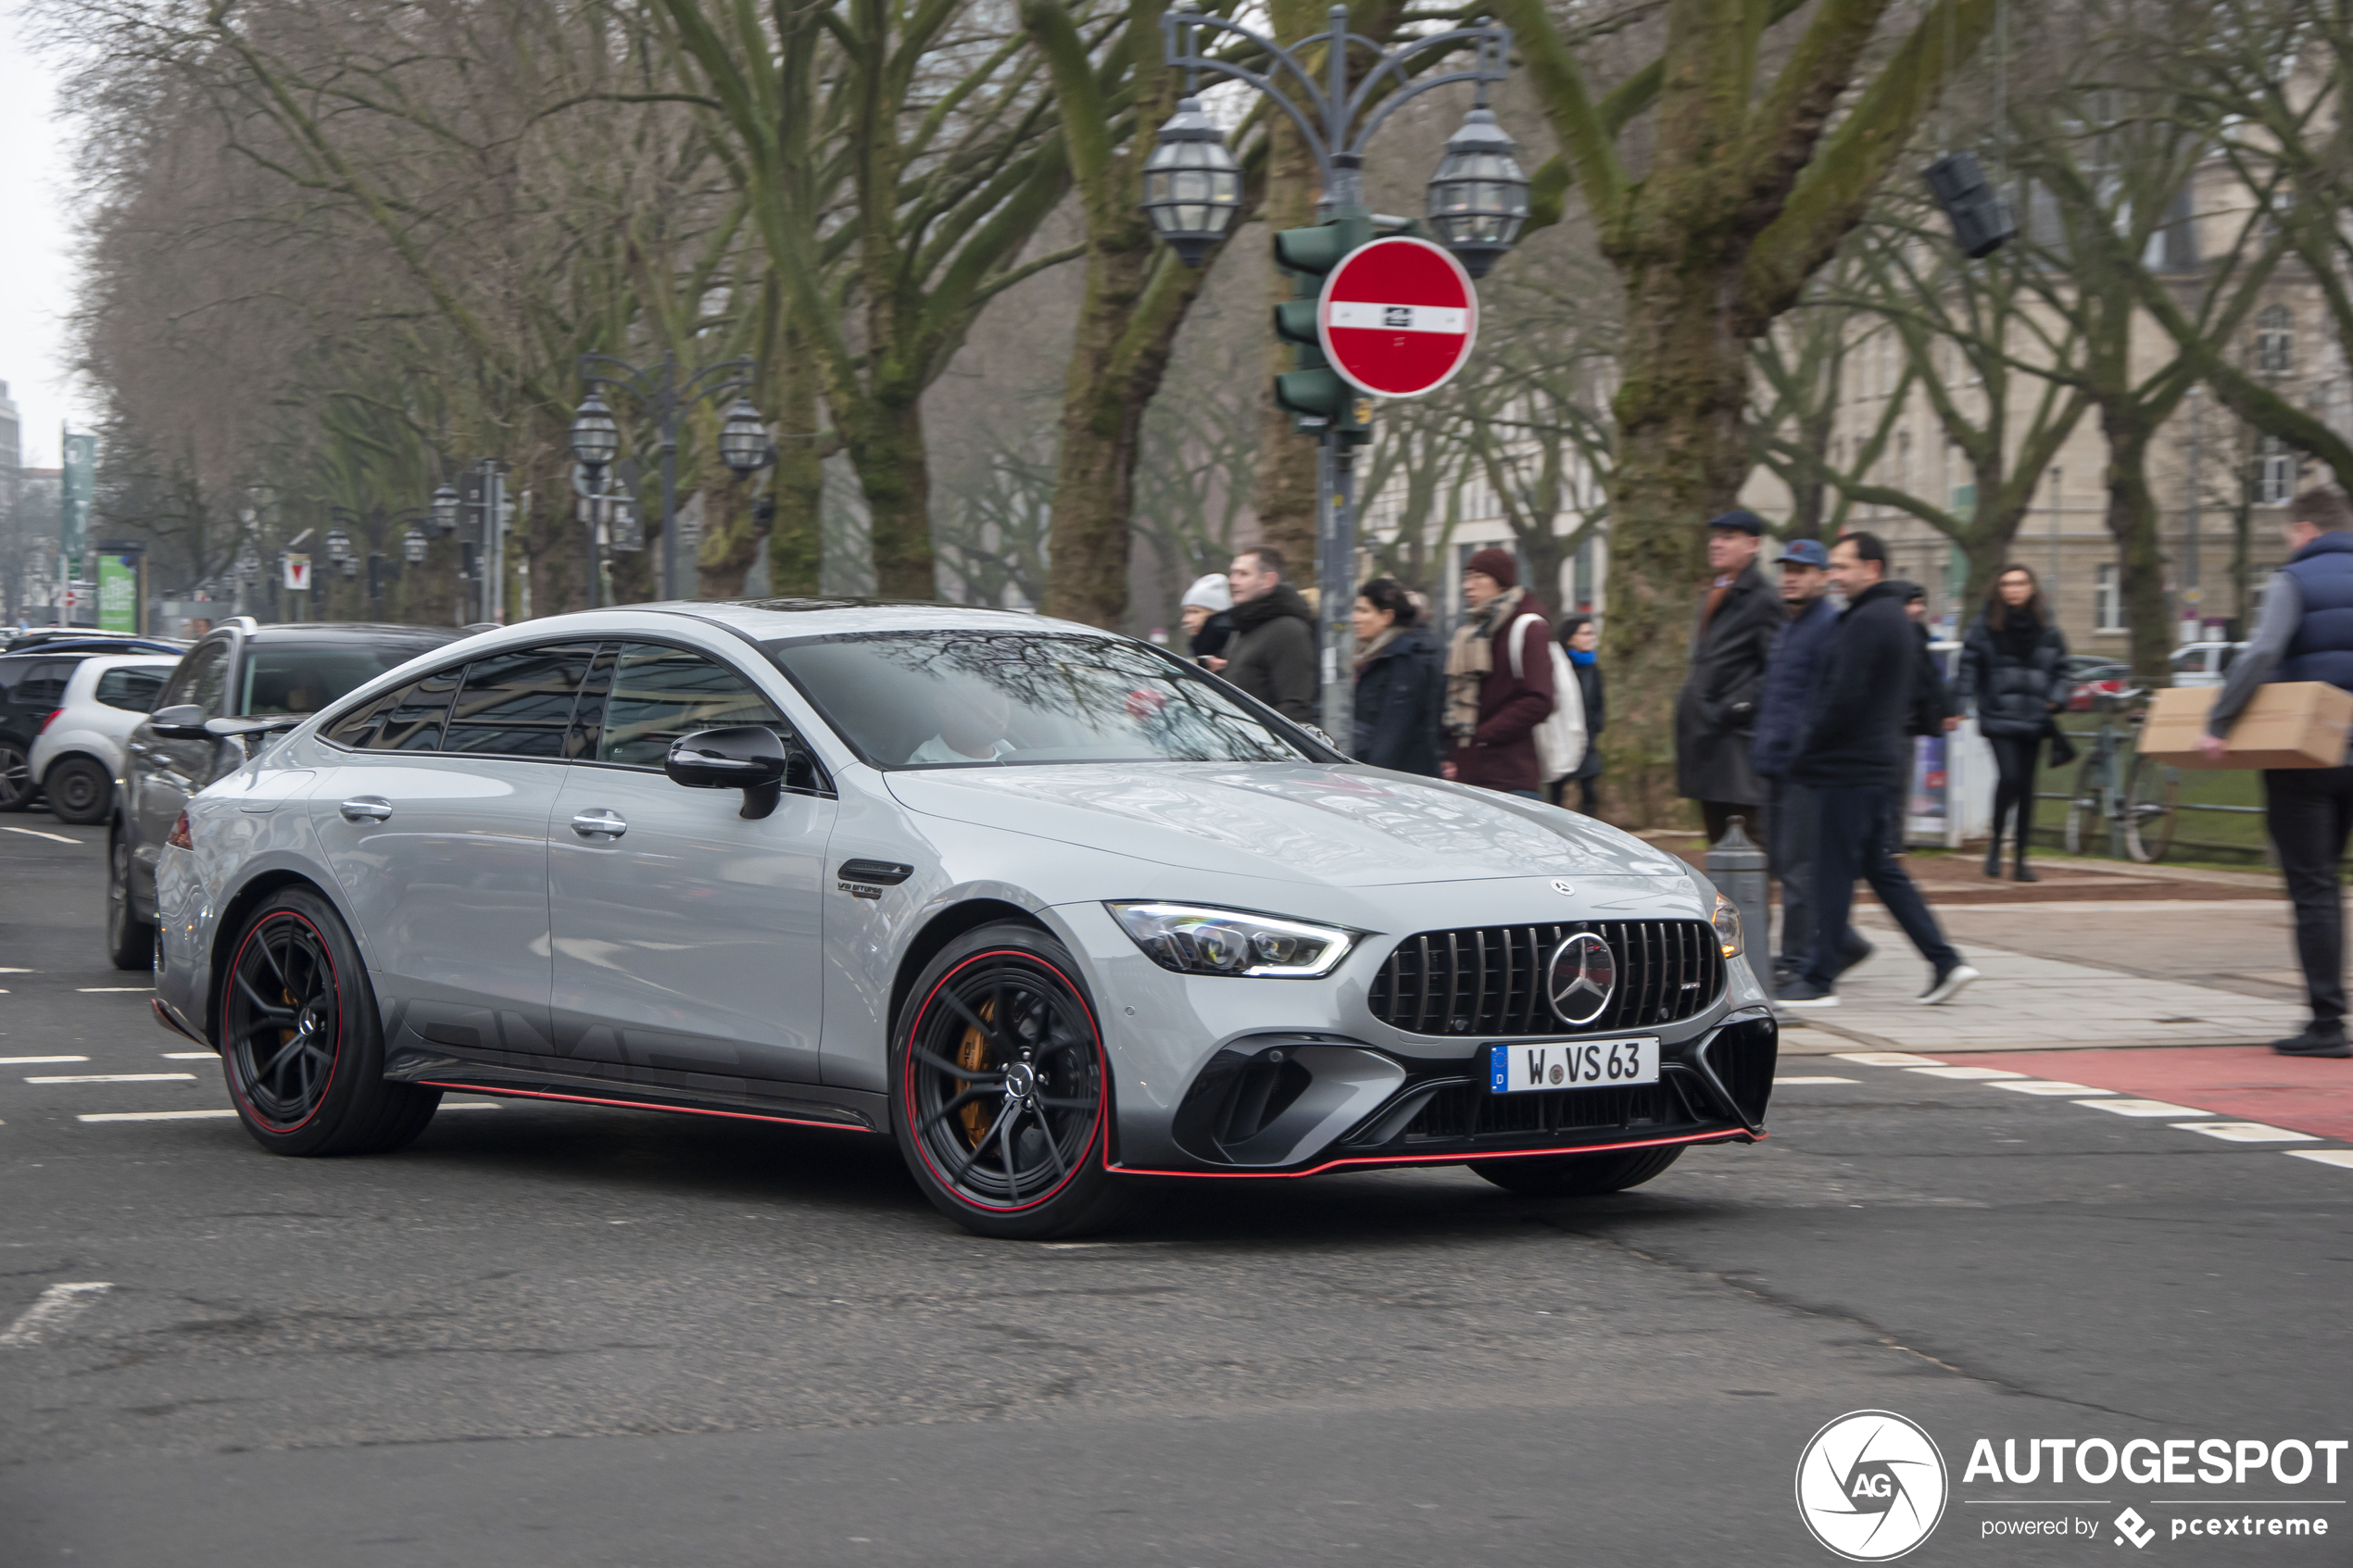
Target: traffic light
1312 392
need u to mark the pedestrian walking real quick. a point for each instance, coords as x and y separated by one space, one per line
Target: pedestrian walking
1272 654
2305 634
1401 682
1789 674
1206 613
1716 713
1499 679
2014 671
1933 710
1854 757
1581 640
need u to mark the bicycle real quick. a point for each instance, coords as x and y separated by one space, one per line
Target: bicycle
2134 801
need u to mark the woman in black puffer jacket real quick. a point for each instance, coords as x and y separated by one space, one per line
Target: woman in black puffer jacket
1401 682
2013 667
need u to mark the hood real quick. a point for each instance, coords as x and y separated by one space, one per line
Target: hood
1310 822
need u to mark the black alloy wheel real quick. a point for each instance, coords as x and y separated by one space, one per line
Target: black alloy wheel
1001 1101
16 777
79 790
300 1041
131 942
1579 1176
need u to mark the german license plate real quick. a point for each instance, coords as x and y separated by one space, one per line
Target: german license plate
1572 1064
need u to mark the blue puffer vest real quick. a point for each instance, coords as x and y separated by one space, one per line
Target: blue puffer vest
2323 647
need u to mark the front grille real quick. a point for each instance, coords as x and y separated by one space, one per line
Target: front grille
1468 1110
1489 980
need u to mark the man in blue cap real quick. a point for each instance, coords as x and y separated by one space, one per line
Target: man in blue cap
1795 665
1716 714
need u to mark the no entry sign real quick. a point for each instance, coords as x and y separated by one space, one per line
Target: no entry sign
1398 318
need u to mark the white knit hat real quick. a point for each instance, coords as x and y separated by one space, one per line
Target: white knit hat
1213 593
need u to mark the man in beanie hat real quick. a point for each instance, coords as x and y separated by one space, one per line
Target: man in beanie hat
1207 614
1716 715
1499 679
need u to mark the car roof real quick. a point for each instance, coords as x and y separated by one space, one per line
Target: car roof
765 620
352 632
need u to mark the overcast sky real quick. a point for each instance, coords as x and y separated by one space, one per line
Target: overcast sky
36 248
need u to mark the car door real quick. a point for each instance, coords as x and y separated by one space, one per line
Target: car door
434 818
160 774
688 939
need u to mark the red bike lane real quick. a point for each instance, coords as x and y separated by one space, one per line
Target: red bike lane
2248 1083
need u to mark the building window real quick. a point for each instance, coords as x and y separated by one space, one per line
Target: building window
2275 472
2274 341
2110 598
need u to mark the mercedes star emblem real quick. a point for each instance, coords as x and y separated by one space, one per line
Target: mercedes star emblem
1562 886
1581 979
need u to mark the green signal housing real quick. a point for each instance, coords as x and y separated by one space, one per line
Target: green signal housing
1315 396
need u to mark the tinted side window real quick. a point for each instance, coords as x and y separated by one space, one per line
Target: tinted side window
588 712
518 704
659 693
43 686
11 672
130 690
203 658
406 720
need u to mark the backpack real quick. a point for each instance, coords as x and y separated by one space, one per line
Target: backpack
1560 739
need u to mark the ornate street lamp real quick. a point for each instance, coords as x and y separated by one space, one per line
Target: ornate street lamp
413 545
1193 186
595 436
350 565
445 509
743 438
1478 198
338 546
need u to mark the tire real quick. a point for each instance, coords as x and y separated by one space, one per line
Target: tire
1019 1168
2083 809
2149 800
317 1087
79 790
16 777
131 942
1579 1176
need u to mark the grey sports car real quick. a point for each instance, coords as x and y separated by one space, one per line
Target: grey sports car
1051 908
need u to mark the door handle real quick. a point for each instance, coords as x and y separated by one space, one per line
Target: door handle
367 808
600 822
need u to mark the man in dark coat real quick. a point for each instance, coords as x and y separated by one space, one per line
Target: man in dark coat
1499 679
1272 655
1856 758
1782 706
1716 714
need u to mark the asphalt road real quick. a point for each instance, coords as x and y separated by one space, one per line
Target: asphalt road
574 1336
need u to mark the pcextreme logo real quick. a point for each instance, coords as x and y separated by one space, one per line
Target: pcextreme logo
1871 1486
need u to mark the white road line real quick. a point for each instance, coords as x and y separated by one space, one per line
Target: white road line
1888 1059
1966 1073
37 1061
2340 1158
51 1309
108 990
5 970
188 1056
36 832
115 1078
1811 1078
2145 1108
150 1116
2245 1132
472 1105
2052 1086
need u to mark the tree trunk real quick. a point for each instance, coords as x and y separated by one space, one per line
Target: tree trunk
887 450
1285 487
2133 523
1683 450
732 528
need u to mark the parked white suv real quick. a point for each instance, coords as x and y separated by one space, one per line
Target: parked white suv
77 755
2203 664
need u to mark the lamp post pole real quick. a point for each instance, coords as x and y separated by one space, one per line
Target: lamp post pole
659 390
1476 202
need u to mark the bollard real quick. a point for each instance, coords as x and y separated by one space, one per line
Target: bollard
1737 867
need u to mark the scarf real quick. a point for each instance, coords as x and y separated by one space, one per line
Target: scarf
1470 659
1579 656
2019 635
1365 655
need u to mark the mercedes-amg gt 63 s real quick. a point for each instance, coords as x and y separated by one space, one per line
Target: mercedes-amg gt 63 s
1049 907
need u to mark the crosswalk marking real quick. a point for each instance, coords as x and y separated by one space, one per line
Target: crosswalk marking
1888 1059
115 1078
2052 1086
2245 1132
2145 1108
2340 1158
1966 1072
150 1116
108 990
50 1310
1811 1079
37 1061
192 1056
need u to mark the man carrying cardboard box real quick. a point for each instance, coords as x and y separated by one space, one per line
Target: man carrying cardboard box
2305 634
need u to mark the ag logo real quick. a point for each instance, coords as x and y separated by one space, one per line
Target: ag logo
1580 979
1870 1485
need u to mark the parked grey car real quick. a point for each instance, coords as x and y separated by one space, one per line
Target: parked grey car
1049 907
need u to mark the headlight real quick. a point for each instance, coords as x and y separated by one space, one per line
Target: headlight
1726 921
1191 939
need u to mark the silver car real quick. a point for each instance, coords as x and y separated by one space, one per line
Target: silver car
1049 907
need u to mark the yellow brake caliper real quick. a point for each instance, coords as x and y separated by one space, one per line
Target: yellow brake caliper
972 1055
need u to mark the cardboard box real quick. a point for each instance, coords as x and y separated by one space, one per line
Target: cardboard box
2287 724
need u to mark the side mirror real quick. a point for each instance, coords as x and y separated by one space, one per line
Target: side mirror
745 757
182 721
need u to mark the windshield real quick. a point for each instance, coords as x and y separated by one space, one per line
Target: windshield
305 677
965 700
